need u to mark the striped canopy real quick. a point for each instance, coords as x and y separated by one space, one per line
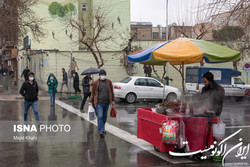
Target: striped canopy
184 51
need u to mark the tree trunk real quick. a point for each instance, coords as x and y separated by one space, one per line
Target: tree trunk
235 65
202 64
100 55
164 72
92 51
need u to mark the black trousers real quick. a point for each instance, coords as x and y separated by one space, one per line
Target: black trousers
85 96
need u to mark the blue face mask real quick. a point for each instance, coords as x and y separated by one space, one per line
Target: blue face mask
31 78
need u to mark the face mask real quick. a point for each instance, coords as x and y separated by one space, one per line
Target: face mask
51 78
31 78
103 77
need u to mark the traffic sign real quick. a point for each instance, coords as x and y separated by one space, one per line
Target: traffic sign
246 67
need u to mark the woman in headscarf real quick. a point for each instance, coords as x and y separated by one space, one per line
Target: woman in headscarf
76 83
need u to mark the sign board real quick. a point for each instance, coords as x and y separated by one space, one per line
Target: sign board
246 67
26 42
217 74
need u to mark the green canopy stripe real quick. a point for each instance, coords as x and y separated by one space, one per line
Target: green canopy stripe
215 52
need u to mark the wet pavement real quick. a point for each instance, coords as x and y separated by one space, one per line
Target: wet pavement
110 151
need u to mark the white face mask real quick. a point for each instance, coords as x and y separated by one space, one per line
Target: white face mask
102 77
51 78
31 78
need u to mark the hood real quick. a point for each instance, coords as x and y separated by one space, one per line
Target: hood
50 75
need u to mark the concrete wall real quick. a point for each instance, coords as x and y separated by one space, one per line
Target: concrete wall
42 65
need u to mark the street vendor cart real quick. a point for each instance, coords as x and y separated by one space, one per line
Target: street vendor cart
197 129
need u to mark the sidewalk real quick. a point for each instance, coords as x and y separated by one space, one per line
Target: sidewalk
11 91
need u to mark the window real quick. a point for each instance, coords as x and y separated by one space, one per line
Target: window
84 31
214 21
141 82
84 7
126 80
155 35
222 20
153 83
238 81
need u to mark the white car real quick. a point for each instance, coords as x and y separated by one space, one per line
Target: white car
133 88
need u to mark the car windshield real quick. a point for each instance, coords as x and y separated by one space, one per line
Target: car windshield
126 80
238 81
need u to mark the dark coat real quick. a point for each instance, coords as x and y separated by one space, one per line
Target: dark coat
25 74
85 84
76 79
213 96
29 91
65 77
76 82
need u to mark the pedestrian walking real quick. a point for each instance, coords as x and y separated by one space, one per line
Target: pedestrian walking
87 83
76 83
29 91
147 70
25 73
65 80
52 88
102 95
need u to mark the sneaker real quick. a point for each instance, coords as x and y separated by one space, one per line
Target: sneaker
82 111
102 135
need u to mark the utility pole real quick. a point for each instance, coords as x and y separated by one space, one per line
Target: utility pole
167 76
70 71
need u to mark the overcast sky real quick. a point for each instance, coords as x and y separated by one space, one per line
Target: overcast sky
155 11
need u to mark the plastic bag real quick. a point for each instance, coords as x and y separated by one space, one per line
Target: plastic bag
170 132
113 112
182 135
91 113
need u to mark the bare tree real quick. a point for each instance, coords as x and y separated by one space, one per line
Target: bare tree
237 18
94 30
18 18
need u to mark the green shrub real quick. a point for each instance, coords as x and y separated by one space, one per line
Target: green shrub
57 9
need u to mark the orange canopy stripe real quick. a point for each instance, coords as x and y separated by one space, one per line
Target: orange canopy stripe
179 50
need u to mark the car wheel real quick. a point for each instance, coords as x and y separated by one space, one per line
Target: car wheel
171 97
130 97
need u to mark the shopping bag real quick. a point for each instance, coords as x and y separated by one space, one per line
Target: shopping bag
170 131
91 113
113 112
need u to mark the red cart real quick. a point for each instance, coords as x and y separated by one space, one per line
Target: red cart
197 129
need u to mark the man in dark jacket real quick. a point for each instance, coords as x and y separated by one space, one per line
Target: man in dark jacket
29 91
25 73
87 81
65 80
212 94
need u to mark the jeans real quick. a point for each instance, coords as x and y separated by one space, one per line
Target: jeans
102 113
85 96
64 82
27 105
52 98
